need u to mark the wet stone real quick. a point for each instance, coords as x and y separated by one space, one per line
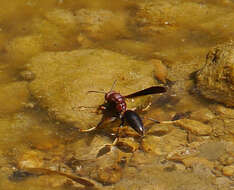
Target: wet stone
226 159
212 150
31 159
182 153
52 181
192 161
216 78
142 158
149 144
109 175
203 115
159 130
223 111
95 24
63 79
88 148
23 48
109 168
13 96
163 145
228 170
27 75
19 175
128 144
223 183
55 29
160 70
194 127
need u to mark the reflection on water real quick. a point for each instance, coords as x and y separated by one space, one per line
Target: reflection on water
40 94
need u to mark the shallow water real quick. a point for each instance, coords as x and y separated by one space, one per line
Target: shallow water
180 34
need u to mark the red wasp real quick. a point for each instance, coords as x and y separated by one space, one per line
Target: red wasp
115 107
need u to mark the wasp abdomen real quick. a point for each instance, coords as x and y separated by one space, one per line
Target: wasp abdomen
134 120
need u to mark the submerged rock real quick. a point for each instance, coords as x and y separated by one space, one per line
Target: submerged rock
101 24
127 144
164 142
56 29
160 71
158 17
228 170
63 79
216 79
31 159
13 96
20 49
194 127
109 175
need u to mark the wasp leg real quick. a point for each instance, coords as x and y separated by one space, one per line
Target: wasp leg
117 134
168 122
88 130
92 128
108 147
162 122
103 121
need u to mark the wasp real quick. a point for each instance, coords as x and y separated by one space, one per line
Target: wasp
115 107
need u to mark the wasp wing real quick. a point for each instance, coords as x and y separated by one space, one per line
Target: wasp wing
147 91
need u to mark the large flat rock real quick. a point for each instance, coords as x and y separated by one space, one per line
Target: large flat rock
63 79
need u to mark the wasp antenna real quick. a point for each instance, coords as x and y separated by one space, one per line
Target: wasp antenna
151 119
113 85
87 106
97 91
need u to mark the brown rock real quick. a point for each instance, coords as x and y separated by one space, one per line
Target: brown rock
189 162
226 159
23 48
109 175
223 111
160 130
203 115
128 144
96 23
163 145
56 29
182 153
228 170
194 127
62 80
216 78
31 159
160 70
13 96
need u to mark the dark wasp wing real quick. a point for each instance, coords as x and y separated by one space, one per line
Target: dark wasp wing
147 91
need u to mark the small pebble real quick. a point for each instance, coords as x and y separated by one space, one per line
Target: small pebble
189 162
160 70
182 153
150 144
31 159
27 75
223 111
159 130
109 175
228 170
203 115
127 144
